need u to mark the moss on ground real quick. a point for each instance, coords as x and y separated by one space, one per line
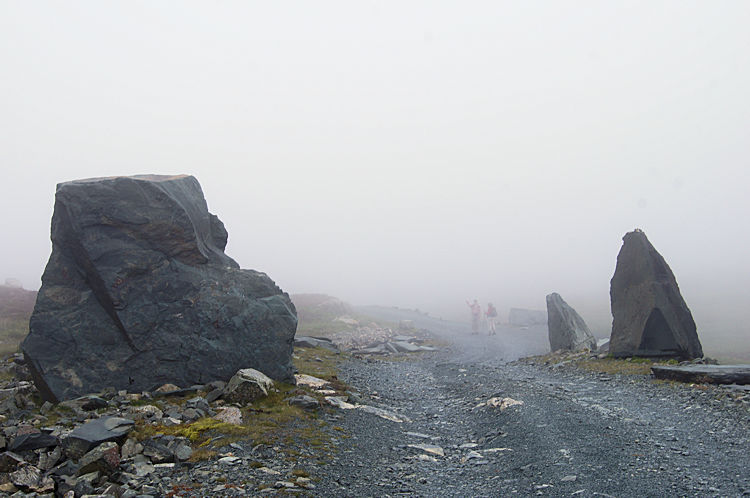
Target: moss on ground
622 366
270 420
608 365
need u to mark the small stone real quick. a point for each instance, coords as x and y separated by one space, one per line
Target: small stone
157 452
339 402
95 432
145 412
142 466
309 380
105 458
46 408
214 395
570 478
170 421
428 448
91 403
8 487
9 461
147 489
246 386
266 470
230 460
285 484
31 478
25 442
191 414
181 448
131 448
305 402
230 415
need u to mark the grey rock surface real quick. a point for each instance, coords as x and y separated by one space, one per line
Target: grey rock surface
138 292
94 432
650 317
714 374
304 341
567 330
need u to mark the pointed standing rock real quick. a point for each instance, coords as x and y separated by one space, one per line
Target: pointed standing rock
567 330
650 318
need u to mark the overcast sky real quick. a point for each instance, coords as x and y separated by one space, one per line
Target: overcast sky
400 153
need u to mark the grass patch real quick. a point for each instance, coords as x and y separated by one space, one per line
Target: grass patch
626 366
608 365
318 362
202 454
270 420
12 332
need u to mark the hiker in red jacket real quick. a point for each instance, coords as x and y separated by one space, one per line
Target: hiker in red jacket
491 315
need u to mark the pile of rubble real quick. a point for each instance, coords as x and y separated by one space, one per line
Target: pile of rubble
384 342
100 444
370 338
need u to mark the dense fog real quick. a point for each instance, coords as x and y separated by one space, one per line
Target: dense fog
411 154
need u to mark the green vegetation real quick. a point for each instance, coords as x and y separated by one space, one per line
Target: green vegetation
12 332
626 366
16 306
318 362
609 365
317 315
270 420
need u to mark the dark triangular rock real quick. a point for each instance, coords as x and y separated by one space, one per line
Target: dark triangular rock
567 330
650 317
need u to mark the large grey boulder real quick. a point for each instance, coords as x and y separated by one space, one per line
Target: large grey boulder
650 317
567 330
138 292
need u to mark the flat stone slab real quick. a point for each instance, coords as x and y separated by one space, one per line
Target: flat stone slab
712 374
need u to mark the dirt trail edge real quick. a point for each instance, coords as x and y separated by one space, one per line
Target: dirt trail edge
574 433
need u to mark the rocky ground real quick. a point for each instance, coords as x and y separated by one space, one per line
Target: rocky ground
576 433
464 420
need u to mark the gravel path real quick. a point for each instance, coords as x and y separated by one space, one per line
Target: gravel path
576 433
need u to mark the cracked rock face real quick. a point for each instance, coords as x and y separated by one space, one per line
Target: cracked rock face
650 317
138 292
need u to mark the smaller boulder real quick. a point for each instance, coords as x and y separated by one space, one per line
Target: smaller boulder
246 386
305 402
30 478
9 461
230 415
32 441
95 432
315 342
105 458
180 448
567 330
157 452
405 347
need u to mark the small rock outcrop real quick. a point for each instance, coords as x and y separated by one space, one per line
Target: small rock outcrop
138 292
650 317
246 386
567 330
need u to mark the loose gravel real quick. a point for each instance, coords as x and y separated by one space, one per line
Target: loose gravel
576 433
